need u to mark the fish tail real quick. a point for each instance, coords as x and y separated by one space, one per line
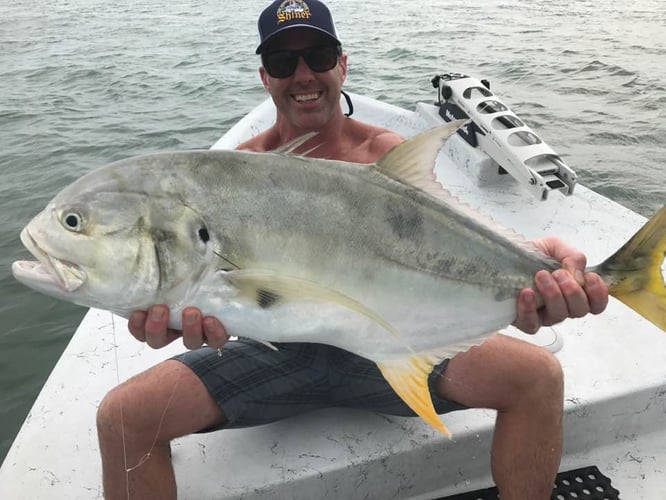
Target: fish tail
633 274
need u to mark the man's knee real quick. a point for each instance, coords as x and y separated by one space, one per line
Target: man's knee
123 411
110 413
535 377
545 375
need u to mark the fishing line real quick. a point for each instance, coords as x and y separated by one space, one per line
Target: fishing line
122 423
147 455
226 260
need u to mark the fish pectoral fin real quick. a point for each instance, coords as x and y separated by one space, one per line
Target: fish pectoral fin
268 344
408 376
268 288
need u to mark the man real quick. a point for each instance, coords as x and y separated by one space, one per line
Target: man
303 70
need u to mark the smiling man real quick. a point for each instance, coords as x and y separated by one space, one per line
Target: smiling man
247 383
303 69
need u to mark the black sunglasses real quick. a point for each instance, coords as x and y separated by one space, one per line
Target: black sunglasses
282 63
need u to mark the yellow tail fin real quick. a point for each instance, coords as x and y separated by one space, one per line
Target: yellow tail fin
634 275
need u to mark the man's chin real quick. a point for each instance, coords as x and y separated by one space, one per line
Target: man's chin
311 120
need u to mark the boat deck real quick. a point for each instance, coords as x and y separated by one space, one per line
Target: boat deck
615 386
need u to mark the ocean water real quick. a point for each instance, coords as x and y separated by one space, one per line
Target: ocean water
83 83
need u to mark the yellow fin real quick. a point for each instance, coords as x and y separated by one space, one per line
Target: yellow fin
633 273
408 377
268 288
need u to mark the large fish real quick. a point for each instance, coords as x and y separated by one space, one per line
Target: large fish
376 259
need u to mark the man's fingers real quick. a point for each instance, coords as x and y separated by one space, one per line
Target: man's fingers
597 293
555 306
214 332
527 316
192 328
573 294
156 326
136 325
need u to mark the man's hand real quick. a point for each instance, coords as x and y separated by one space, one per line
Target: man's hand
569 292
151 327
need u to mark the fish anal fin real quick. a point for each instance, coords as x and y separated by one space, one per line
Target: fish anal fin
408 377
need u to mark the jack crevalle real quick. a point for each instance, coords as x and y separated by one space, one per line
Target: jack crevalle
376 259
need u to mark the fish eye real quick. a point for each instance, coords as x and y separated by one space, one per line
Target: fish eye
203 234
72 221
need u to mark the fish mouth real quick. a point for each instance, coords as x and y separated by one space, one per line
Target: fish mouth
48 273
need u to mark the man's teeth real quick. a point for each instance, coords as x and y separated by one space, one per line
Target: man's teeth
306 97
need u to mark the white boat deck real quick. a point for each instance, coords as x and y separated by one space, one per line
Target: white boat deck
614 411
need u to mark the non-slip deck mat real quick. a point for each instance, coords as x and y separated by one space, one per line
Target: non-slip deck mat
587 483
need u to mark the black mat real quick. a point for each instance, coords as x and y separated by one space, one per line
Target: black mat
587 483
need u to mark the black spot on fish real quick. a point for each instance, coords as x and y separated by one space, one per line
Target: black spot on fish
406 221
266 298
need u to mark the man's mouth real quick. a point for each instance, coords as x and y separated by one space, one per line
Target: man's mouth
306 97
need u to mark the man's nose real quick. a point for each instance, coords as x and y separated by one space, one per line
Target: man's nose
303 71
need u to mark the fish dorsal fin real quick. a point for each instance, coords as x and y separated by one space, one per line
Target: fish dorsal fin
268 288
408 376
413 161
288 148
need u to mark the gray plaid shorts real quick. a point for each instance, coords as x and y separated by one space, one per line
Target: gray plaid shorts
255 385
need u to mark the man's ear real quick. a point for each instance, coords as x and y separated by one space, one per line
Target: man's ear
343 66
264 77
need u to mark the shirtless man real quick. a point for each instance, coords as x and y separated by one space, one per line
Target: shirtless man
303 69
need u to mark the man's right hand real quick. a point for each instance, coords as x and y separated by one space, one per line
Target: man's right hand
151 327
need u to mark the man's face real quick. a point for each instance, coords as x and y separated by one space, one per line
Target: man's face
306 99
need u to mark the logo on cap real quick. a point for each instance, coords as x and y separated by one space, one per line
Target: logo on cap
292 9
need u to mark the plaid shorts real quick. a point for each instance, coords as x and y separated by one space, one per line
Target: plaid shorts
255 385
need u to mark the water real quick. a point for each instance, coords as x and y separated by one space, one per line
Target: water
87 82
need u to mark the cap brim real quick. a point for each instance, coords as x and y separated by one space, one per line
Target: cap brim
262 45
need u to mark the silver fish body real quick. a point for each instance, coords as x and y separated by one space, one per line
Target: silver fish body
375 259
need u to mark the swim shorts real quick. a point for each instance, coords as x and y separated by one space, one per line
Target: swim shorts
254 384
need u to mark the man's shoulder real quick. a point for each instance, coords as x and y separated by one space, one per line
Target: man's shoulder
258 143
373 140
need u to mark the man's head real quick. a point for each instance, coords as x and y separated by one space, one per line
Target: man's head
303 66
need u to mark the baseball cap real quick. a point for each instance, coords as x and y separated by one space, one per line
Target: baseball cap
282 15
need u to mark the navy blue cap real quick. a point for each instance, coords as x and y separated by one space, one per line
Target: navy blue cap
282 15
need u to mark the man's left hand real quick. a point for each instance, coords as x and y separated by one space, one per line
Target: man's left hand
568 292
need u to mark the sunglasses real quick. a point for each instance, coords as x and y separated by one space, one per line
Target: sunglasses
282 63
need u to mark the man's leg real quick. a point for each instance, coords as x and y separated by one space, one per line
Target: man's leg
524 383
141 417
